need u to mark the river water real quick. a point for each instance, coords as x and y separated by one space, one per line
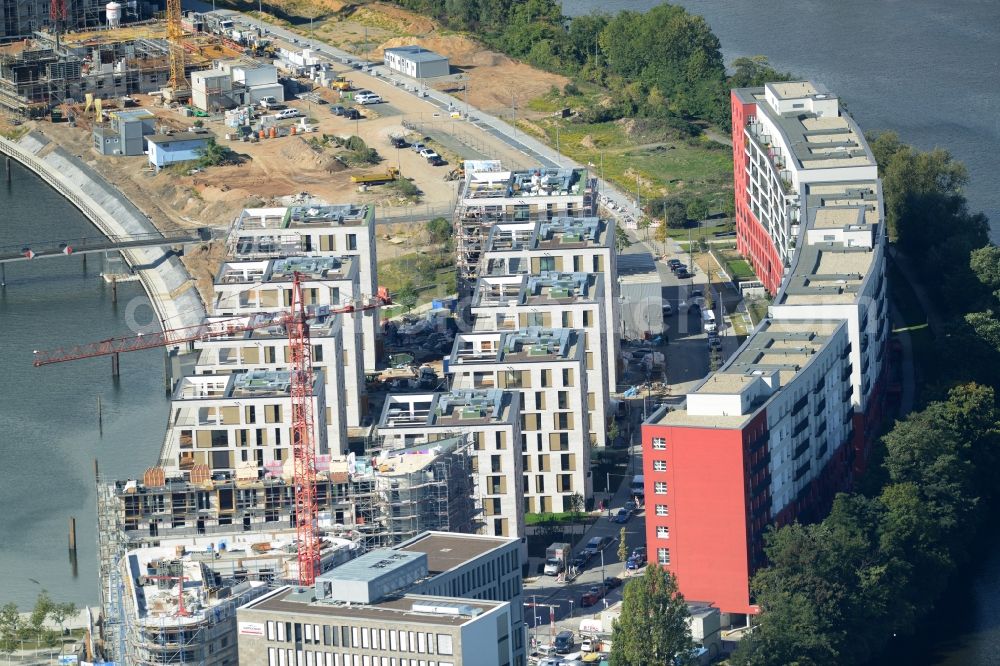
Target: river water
49 433
929 70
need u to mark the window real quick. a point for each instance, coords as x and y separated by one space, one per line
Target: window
659 465
660 488
662 532
444 642
352 241
663 555
662 510
659 444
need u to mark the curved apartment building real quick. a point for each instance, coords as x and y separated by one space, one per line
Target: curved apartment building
788 420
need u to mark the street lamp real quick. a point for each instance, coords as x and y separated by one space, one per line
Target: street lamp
602 568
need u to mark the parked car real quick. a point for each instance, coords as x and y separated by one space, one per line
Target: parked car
269 102
611 582
370 98
563 642
682 274
673 264
352 114
593 595
668 309
337 109
428 153
287 113
588 645
580 561
621 517
714 342
398 142
417 146
436 161
596 545
631 506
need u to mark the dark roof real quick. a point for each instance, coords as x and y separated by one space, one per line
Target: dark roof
447 551
179 136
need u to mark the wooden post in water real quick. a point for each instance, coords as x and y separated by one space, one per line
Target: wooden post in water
97 472
3 275
114 289
114 365
72 534
8 169
100 426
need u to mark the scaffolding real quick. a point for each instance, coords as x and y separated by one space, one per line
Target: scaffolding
501 197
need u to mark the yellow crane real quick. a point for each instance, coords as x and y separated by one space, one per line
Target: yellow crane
175 36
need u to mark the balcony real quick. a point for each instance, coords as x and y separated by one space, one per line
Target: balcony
820 406
802 471
846 374
800 426
800 449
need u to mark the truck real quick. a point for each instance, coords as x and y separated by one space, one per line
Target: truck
556 559
342 83
391 174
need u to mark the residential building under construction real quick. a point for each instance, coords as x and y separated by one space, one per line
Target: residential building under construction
246 525
489 195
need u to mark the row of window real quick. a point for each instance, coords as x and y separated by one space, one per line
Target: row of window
360 637
287 657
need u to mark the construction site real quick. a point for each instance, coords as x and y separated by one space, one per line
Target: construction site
227 540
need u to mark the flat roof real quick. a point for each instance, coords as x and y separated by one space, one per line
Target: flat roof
179 136
446 551
455 408
416 53
399 610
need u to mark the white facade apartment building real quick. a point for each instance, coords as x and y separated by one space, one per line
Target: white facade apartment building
236 421
492 418
562 245
342 230
547 367
556 300
266 347
328 283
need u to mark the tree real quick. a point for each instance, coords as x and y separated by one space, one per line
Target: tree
662 236
754 71
985 263
622 241
407 296
697 209
676 213
43 606
440 230
643 225
61 612
653 627
622 546
11 626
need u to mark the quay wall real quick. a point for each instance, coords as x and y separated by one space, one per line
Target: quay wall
166 280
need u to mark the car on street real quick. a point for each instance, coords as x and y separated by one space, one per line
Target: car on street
592 596
631 506
621 517
611 582
564 642
637 559
682 274
597 544
677 266
580 561
337 109
673 264
714 342
588 645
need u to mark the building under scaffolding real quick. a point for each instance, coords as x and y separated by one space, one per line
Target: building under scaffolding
240 534
490 195
39 74
20 19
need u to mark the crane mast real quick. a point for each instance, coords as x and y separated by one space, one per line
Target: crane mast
303 450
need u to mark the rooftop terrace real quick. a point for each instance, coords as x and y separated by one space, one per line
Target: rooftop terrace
456 409
251 384
531 344
283 270
557 233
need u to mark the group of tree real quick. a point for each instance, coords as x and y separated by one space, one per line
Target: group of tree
16 628
653 627
665 63
836 592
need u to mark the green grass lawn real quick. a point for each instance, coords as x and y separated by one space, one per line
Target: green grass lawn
669 167
433 274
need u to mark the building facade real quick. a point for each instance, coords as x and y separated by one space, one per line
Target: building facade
789 419
416 62
548 368
439 598
167 149
491 419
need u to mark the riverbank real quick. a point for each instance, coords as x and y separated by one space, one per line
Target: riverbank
166 281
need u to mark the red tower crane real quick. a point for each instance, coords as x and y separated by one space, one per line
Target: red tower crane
296 322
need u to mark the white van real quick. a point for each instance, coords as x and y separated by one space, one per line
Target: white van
708 321
638 486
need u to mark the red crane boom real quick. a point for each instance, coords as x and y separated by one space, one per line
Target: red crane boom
301 374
